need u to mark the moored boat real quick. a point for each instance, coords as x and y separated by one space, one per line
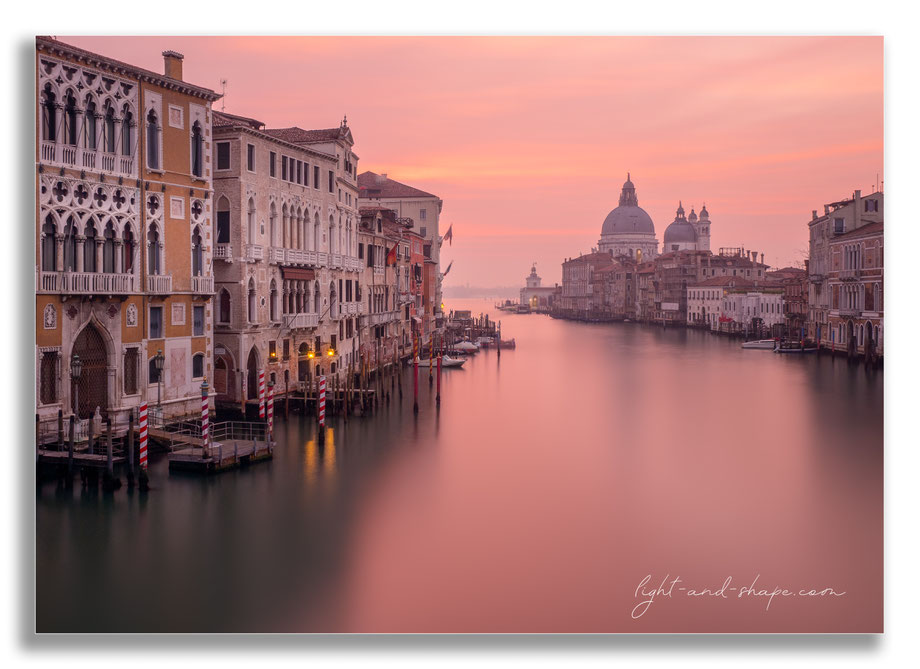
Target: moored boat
466 347
800 346
765 344
446 361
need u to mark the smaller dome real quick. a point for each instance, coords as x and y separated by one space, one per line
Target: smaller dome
704 215
692 216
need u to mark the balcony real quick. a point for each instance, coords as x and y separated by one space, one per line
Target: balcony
203 285
816 278
335 260
849 274
353 264
223 252
350 308
848 312
322 259
159 284
76 157
252 252
300 257
379 271
296 321
383 317
83 283
275 255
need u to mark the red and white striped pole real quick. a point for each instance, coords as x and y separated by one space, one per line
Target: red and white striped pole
415 373
271 408
205 412
142 429
262 394
321 409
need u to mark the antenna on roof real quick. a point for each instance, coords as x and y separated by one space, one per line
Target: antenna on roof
223 93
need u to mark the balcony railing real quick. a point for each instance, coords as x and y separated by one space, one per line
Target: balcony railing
275 254
253 252
350 308
353 264
223 252
849 274
75 156
378 271
299 257
203 285
322 259
383 317
302 320
159 284
335 260
99 283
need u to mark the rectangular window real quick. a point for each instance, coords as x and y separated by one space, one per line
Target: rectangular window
331 182
299 171
198 321
272 351
422 214
838 226
361 251
49 378
284 170
316 177
223 155
198 365
250 157
131 361
286 348
156 323
272 156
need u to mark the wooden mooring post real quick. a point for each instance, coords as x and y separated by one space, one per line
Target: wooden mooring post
60 439
130 449
70 449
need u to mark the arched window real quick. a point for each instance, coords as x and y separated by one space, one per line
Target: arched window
153 250
153 141
89 123
49 115
197 150
251 301
333 304
108 250
316 297
272 225
251 221
127 144
108 130
70 119
223 221
49 245
305 230
198 365
273 301
48 377
331 230
70 246
89 248
197 252
224 306
285 228
316 231
128 253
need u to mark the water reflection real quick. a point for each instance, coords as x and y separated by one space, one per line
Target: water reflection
548 484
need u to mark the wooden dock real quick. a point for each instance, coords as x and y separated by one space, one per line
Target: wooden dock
220 457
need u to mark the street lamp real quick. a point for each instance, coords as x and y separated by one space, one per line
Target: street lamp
158 364
76 368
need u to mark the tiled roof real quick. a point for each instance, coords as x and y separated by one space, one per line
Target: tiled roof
870 229
50 43
225 120
375 185
596 256
297 135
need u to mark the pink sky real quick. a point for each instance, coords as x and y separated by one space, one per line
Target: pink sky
528 140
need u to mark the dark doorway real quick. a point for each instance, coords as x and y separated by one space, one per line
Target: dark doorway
94 378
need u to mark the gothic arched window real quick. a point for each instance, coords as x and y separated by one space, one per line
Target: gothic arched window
197 150
251 301
70 120
272 225
251 221
49 115
108 249
89 248
224 306
273 301
223 221
70 246
89 123
108 130
153 141
197 252
153 250
128 253
126 139
49 245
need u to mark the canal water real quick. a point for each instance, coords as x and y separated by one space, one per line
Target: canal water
554 480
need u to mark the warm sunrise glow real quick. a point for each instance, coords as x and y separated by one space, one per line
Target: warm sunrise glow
528 140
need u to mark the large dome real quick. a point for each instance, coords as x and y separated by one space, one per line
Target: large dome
680 231
629 217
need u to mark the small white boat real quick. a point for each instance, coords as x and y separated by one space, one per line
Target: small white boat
467 347
446 361
766 344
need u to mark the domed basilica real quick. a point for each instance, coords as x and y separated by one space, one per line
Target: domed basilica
688 233
628 229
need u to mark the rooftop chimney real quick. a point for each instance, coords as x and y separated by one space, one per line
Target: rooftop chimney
172 61
814 214
827 209
856 194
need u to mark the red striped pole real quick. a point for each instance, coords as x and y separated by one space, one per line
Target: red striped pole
205 411
415 373
271 408
262 394
321 407
142 428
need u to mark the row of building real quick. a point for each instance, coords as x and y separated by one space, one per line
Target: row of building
836 300
177 243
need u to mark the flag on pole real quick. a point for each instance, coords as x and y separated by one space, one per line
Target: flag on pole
391 255
448 269
449 235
